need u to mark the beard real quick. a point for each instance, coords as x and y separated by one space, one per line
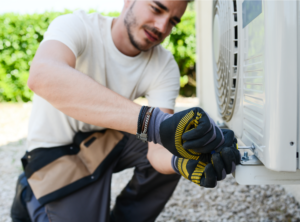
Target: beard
130 22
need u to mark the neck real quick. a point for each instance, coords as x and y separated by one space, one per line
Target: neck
121 39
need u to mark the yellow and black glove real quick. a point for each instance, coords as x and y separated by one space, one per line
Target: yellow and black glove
199 172
210 168
189 133
225 161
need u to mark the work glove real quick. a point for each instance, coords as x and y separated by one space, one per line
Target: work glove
225 161
206 174
185 134
194 132
210 168
199 172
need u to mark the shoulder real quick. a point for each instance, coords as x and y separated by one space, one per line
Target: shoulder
79 17
66 19
92 18
162 53
66 23
165 60
70 29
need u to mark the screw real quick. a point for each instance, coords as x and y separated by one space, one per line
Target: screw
245 157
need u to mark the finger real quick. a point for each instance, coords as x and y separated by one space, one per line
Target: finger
197 146
233 167
190 144
237 154
209 179
222 138
234 140
228 137
237 157
219 166
228 157
204 126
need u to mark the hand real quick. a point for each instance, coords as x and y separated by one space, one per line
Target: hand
209 168
189 133
225 161
201 173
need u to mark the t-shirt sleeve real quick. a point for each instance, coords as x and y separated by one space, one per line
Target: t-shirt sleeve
164 90
70 30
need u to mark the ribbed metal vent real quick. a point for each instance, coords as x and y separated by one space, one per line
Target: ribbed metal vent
226 54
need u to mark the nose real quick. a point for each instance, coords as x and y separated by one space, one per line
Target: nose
162 24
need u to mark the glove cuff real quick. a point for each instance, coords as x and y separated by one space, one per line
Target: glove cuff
153 129
173 163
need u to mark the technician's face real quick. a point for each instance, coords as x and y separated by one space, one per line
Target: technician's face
148 23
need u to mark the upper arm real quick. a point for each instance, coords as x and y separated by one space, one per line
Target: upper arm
50 54
54 51
70 30
63 42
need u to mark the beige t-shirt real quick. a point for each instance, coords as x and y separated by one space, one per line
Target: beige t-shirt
153 74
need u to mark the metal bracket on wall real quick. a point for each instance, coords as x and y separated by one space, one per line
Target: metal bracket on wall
222 125
247 160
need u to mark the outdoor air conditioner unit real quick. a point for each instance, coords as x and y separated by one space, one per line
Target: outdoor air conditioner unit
255 57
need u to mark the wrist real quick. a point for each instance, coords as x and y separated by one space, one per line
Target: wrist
143 123
149 122
173 164
157 118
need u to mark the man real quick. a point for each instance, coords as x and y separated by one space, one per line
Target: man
85 74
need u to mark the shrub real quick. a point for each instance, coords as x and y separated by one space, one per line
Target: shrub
20 36
182 44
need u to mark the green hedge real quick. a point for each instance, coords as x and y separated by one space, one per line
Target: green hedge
20 36
182 43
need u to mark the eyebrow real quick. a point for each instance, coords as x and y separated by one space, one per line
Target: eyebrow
163 7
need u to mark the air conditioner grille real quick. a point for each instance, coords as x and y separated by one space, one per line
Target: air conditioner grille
226 55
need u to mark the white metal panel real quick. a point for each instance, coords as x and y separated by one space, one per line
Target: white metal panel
298 75
252 75
267 111
280 85
255 175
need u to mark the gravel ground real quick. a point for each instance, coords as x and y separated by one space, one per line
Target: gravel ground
228 202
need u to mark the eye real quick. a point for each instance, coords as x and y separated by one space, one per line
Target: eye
155 9
173 23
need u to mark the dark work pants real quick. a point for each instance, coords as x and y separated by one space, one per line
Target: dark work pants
141 200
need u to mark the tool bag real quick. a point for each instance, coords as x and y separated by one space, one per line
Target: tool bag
53 173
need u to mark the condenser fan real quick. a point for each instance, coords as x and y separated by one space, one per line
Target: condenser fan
225 51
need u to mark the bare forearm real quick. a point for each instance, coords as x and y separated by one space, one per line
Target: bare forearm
79 96
160 158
